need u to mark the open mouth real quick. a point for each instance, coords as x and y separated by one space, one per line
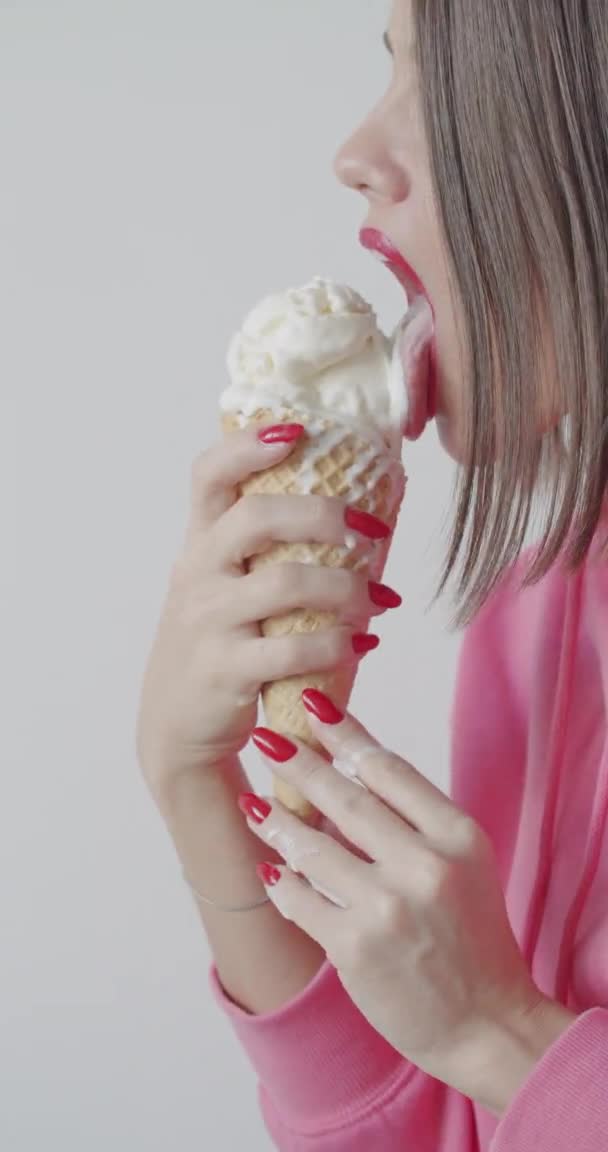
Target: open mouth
414 337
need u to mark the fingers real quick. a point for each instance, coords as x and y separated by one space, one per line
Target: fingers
253 524
394 780
284 588
359 815
266 659
296 900
230 530
241 667
217 473
328 866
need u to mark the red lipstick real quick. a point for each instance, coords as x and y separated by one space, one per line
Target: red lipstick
377 242
380 244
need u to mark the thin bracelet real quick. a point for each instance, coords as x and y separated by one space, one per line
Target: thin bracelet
224 907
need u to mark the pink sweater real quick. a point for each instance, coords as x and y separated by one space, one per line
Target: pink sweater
530 763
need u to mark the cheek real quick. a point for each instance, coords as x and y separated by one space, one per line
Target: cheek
450 388
545 409
451 438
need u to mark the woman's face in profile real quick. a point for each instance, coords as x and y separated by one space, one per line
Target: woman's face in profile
386 159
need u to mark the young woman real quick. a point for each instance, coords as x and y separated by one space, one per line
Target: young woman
430 972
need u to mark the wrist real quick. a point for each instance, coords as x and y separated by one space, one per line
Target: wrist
217 851
512 1052
205 784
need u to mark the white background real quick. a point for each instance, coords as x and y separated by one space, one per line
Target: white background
162 165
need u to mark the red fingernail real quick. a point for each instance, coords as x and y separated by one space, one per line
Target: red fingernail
254 807
366 524
273 745
322 707
268 874
365 642
384 596
281 434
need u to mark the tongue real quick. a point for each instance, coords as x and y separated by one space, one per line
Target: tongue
413 340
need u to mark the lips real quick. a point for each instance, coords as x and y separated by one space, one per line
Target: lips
415 343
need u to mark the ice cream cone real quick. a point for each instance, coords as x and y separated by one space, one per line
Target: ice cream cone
333 459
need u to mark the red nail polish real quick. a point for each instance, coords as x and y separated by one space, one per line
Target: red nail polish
254 807
281 434
271 744
268 874
366 524
321 706
383 596
364 642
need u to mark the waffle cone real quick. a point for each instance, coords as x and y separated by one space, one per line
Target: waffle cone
360 472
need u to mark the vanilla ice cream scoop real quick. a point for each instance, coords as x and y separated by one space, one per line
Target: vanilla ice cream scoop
319 349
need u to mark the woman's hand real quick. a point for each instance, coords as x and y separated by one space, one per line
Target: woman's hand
209 661
417 929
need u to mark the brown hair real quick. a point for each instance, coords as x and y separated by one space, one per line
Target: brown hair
515 96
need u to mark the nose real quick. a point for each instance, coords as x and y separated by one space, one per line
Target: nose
368 164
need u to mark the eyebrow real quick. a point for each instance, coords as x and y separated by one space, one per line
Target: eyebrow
388 44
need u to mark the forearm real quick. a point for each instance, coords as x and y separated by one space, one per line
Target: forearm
263 960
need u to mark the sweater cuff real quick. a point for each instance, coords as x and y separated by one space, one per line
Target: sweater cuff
563 1105
317 1058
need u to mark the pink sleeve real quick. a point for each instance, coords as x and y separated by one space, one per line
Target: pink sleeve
328 1082
563 1106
